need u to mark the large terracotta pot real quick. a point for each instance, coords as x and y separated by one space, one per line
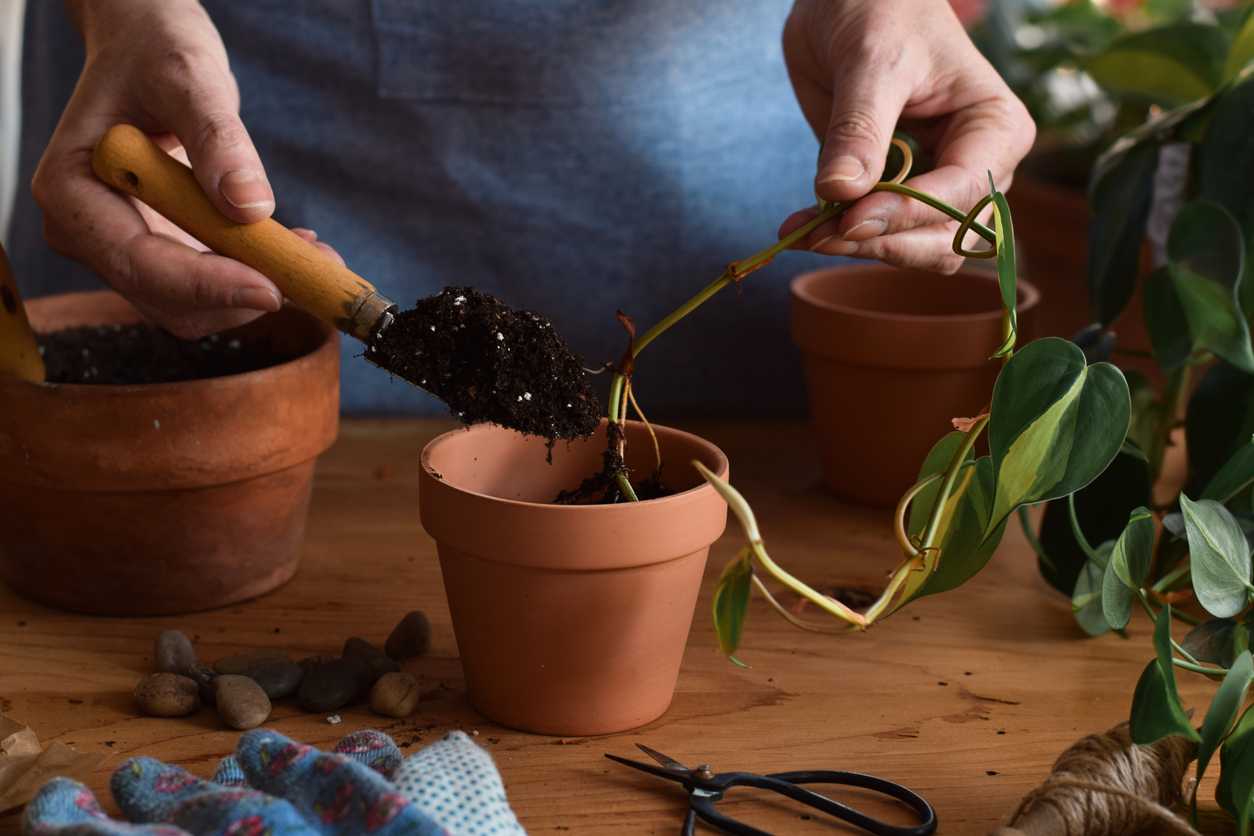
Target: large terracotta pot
162 498
891 357
570 620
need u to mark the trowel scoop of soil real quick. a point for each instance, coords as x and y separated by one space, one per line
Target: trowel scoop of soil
487 362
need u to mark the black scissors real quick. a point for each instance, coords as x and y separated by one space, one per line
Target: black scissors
705 788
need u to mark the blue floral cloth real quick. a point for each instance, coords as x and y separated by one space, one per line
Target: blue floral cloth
577 158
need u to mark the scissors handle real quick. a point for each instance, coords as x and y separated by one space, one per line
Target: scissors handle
786 784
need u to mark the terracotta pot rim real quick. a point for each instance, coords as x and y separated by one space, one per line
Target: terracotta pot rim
799 289
545 507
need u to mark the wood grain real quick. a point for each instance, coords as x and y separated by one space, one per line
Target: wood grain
966 697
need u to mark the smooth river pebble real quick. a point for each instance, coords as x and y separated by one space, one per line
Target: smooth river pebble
241 702
394 695
378 661
333 684
412 637
174 652
167 695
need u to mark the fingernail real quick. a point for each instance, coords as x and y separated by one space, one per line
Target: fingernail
842 168
865 230
255 298
244 189
835 245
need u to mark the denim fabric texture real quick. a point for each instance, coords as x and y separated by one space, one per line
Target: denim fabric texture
577 157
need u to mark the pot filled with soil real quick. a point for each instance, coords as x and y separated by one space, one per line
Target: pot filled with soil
570 619
151 475
891 357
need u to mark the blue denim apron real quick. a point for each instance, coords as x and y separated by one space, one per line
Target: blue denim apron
573 156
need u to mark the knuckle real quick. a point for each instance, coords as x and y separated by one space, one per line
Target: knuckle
217 131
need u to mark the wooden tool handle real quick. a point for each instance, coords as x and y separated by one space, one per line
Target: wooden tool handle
128 160
19 352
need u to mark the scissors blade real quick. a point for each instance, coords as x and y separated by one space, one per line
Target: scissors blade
666 761
668 774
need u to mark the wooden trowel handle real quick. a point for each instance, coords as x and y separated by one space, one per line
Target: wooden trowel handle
19 352
128 160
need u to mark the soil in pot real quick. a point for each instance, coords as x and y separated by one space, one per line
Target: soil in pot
140 353
491 363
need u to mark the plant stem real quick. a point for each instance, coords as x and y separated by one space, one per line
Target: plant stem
976 227
1079 535
1213 673
1026 523
955 465
1140 596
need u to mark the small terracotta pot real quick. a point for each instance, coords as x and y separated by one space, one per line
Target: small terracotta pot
570 620
162 498
891 357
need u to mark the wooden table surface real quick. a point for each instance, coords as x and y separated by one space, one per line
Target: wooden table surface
966 697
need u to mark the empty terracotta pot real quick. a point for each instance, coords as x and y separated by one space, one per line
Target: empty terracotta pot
570 620
163 498
891 357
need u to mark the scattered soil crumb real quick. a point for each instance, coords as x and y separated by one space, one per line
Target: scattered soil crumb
488 362
571 741
129 355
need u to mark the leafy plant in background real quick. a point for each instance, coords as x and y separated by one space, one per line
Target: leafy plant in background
1089 71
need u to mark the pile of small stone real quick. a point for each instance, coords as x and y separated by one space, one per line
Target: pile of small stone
242 686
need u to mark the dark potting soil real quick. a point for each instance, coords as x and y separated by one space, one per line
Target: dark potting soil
601 488
127 355
491 363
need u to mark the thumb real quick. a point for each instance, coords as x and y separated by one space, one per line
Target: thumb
222 154
856 143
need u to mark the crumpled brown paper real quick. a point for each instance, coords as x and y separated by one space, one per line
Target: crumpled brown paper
24 767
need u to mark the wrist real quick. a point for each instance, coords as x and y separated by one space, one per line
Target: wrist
96 19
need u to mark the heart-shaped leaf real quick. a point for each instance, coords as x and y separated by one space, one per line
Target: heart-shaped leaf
1120 199
1225 167
1086 600
1055 424
1128 567
1206 253
1220 557
1156 709
731 603
1168 66
1165 320
1209 641
1224 708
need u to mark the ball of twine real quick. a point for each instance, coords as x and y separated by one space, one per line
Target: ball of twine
1106 785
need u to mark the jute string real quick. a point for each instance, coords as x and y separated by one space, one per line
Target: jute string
1106 785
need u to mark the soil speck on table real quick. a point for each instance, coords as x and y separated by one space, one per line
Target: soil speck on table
491 363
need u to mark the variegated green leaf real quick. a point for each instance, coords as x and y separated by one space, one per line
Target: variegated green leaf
1128 567
1220 557
731 603
1056 423
1242 50
1168 66
1156 709
1224 708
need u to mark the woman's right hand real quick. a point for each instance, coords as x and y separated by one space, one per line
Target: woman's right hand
159 65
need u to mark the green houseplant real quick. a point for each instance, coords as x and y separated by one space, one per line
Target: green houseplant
1066 428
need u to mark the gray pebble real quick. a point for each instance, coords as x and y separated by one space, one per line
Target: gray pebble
378 661
241 702
203 677
167 695
412 637
394 695
277 679
334 684
174 652
239 663
310 662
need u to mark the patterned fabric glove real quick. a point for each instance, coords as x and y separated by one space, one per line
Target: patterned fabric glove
274 786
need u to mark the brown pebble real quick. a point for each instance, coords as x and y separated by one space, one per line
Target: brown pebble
174 652
241 662
394 695
167 695
411 637
241 702
379 662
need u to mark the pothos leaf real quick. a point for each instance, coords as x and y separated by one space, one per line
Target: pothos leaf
1156 709
1056 423
1236 777
1086 600
1007 276
1234 476
1128 567
731 603
1210 641
1224 707
1220 557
